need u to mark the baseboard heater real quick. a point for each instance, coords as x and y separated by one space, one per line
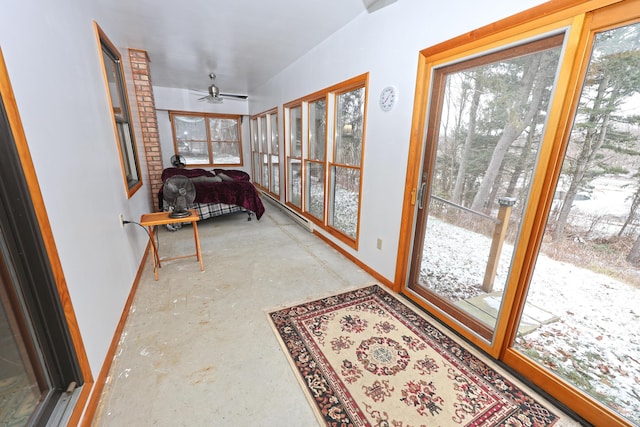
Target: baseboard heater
293 214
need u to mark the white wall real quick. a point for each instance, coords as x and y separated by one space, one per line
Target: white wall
53 62
386 44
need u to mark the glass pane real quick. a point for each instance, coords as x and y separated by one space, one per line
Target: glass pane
223 129
265 168
296 132
295 183
128 154
254 151
349 126
191 139
275 175
317 129
275 143
315 189
113 77
254 135
124 134
490 127
264 144
226 153
256 166
345 190
275 155
586 277
19 390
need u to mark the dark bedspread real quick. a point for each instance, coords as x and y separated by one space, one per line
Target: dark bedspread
239 192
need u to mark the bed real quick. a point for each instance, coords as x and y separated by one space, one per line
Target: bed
219 192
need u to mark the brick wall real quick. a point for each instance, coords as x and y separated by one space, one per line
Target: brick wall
148 120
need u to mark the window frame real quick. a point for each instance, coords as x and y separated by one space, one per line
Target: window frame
121 116
310 161
209 142
332 166
330 94
292 156
265 147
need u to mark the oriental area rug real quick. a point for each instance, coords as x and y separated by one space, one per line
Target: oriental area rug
364 358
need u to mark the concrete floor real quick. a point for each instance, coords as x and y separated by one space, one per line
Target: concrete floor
197 349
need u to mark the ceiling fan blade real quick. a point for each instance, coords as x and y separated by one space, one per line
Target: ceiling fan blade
234 96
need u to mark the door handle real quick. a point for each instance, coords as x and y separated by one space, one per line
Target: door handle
423 187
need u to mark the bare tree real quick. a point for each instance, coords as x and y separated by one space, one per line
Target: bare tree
477 78
525 104
613 77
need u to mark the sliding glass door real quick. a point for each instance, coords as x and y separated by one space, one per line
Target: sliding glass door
488 115
525 200
586 276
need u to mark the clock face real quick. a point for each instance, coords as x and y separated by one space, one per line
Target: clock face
388 98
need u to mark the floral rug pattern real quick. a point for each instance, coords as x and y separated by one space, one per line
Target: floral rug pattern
365 359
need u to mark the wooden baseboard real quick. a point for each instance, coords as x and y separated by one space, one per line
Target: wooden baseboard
100 382
383 280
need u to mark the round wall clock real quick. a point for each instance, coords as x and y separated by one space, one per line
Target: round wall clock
388 98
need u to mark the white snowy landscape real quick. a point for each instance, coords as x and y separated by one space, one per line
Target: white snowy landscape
595 344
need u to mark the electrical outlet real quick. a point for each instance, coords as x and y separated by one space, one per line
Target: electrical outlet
121 220
379 244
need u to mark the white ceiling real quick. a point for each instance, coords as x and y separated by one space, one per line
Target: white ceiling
244 42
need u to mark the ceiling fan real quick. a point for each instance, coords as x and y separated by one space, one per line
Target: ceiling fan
215 97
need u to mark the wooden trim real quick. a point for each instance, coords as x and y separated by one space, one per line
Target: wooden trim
347 240
412 181
344 86
273 110
618 13
214 115
356 261
98 387
47 235
515 25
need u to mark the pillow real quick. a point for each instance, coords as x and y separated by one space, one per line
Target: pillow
224 177
197 179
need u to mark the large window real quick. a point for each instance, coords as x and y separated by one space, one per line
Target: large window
119 102
325 139
265 151
207 139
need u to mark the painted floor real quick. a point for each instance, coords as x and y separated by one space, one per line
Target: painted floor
197 348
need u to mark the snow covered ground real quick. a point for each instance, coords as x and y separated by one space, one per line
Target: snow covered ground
596 343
